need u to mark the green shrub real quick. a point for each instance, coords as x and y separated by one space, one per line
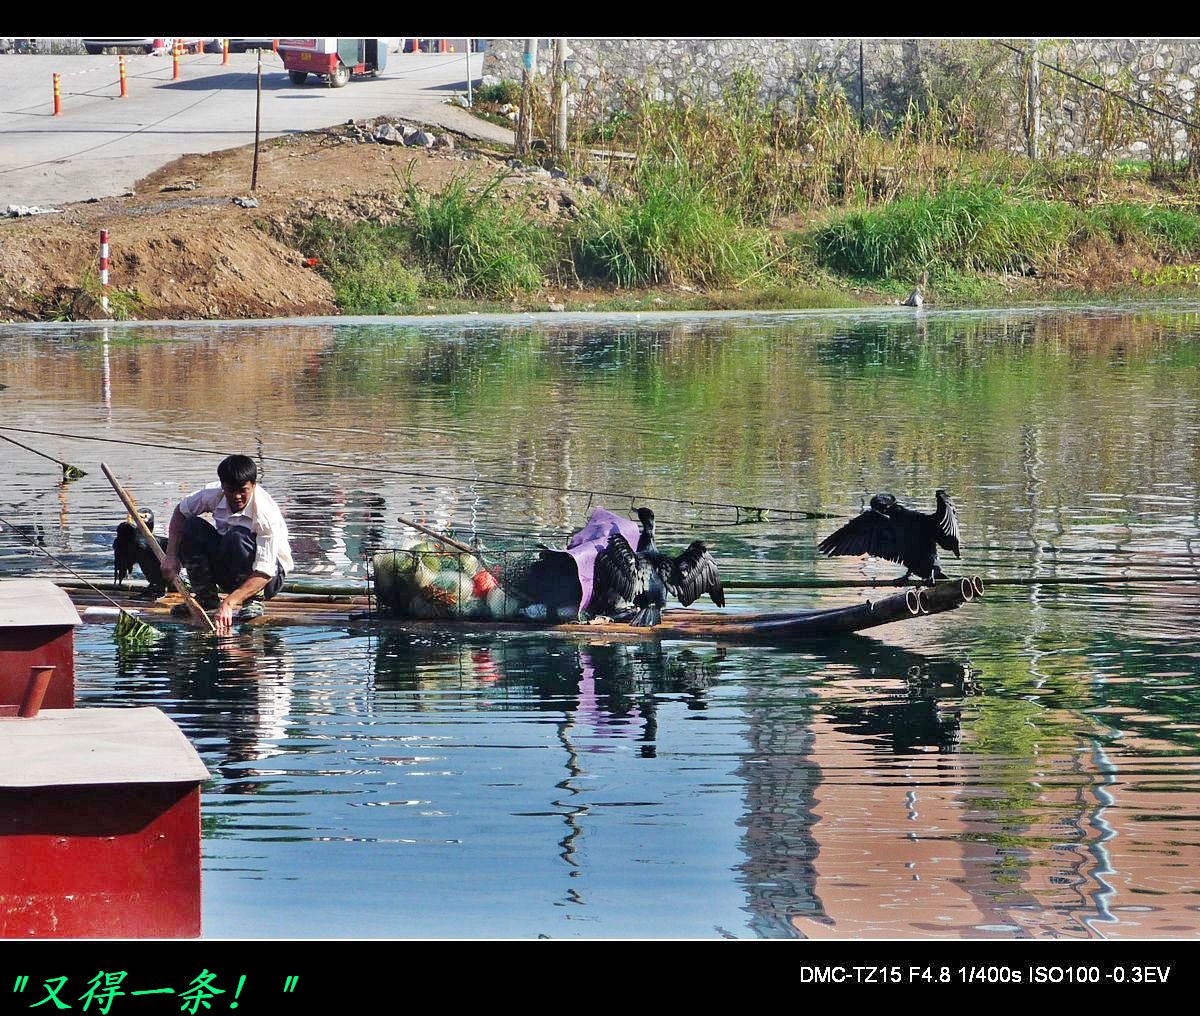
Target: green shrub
1163 231
667 231
486 249
368 265
958 230
500 93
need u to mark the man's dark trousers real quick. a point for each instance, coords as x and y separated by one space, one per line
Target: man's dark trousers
215 560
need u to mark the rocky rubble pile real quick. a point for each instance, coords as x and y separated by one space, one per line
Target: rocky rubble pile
396 133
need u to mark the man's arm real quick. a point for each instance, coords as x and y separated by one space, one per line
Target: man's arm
256 583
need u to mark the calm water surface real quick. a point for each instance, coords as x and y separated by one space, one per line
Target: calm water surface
1025 767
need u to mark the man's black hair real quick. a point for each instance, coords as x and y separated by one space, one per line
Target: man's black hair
237 470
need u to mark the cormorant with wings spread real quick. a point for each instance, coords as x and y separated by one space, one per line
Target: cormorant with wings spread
890 531
644 577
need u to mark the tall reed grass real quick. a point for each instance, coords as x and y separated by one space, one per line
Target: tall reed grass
667 230
485 248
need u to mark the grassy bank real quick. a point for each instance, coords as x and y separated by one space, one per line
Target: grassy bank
733 202
977 245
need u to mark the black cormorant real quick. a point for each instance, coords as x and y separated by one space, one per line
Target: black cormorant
644 577
130 548
890 531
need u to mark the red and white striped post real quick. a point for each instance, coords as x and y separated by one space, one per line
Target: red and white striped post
175 61
224 52
57 97
124 83
104 269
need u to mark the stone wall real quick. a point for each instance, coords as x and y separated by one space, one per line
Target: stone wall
1161 72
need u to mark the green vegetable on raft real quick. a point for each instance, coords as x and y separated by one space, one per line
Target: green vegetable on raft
133 632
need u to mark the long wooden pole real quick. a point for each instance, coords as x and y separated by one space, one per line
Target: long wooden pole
196 610
560 98
257 123
1035 101
525 117
69 471
440 537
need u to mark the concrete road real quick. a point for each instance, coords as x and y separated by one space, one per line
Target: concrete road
102 144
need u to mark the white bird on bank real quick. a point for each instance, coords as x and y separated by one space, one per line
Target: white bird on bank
915 299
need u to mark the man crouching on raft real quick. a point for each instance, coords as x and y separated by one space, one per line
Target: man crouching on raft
244 551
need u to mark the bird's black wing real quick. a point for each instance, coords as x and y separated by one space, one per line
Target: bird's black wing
617 572
946 525
871 533
694 573
125 550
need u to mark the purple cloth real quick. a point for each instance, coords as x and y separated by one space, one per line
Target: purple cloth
593 538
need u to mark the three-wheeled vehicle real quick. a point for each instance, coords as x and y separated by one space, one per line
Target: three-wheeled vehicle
335 59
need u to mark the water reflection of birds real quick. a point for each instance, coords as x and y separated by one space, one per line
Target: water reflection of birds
548 674
645 576
924 709
891 531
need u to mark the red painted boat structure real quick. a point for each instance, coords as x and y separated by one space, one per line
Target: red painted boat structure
99 815
37 628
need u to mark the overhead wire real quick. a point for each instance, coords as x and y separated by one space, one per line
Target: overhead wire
755 513
1101 88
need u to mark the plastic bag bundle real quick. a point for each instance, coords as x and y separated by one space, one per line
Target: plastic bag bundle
427 581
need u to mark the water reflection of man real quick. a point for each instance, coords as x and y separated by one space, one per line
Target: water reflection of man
244 551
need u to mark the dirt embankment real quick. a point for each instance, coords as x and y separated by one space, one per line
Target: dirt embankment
188 251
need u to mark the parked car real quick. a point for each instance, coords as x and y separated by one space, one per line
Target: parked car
245 45
96 46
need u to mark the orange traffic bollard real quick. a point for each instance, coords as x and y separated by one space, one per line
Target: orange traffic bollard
200 47
175 61
124 83
57 97
275 46
224 52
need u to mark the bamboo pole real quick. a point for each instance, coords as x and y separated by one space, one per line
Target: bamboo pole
196 610
69 471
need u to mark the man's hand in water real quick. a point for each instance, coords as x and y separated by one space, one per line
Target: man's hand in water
222 617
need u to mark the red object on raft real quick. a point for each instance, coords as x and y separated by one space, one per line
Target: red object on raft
484 582
99 826
37 628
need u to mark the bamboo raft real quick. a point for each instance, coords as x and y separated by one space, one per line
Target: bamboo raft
765 628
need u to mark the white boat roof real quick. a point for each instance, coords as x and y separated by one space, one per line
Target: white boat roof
34 603
74 747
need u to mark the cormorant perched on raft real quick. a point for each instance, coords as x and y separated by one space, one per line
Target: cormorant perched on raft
130 548
895 533
643 577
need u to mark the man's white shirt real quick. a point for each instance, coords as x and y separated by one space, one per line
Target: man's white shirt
261 516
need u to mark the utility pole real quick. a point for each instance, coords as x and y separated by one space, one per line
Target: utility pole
862 91
525 119
1034 100
470 97
560 98
257 123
